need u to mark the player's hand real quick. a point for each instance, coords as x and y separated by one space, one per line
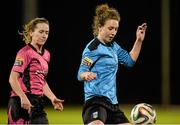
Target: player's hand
88 76
140 33
57 103
25 104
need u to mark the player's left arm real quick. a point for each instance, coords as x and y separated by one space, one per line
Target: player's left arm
140 34
57 103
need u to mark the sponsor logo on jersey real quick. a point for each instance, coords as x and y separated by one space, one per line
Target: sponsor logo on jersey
18 61
42 72
87 61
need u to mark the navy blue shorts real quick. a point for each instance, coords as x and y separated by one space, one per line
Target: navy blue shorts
18 115
99 108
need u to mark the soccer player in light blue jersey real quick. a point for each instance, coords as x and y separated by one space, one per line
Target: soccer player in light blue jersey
99 65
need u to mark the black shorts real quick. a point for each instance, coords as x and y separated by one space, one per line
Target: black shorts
18 115
99 108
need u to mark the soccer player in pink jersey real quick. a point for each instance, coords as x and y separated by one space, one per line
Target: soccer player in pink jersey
28 77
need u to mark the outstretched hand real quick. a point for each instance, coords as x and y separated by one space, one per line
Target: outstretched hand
57 103
140 33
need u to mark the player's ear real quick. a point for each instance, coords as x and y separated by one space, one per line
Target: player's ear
31 33
100 27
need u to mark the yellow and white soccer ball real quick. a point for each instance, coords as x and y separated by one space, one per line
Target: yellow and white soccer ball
143 113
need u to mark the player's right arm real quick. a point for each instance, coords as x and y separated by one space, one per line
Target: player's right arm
13 80
89 56
21 62
84 73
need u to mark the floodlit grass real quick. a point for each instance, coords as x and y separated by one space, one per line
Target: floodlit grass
72 114
168 115
3 115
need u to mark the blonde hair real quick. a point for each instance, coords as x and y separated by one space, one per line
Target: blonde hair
30 26
103 13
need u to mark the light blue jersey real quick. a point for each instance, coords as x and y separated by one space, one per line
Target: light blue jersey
103 60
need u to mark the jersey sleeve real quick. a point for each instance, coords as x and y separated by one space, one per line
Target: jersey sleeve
88 58
124 56
21 61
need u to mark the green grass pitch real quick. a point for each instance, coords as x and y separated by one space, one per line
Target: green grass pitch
72 114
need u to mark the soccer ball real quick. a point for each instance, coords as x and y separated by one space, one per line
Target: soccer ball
143 113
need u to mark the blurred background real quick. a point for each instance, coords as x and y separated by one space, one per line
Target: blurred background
154 78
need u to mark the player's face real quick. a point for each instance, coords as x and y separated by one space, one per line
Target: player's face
108 31
40 34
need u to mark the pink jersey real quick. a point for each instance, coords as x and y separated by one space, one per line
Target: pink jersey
33 68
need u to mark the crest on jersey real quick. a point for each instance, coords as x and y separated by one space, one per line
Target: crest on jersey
19 61
95 115
87 61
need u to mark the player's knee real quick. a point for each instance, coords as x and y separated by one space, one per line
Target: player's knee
96 122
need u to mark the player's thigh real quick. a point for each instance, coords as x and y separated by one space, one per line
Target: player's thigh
16 114
94 112
38 114
117 117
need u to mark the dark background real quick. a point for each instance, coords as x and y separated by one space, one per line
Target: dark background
70 31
